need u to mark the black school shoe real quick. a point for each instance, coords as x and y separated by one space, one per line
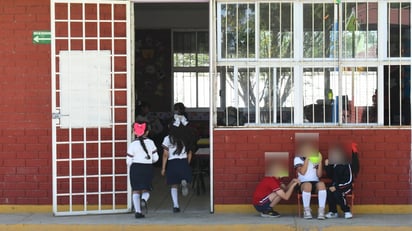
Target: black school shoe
176 210
272 214
138 215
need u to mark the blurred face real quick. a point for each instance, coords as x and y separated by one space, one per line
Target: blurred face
307 150
277 167
336 156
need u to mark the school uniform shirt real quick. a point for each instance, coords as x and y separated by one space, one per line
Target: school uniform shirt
341 175
136 153
311 173
172 148
266 186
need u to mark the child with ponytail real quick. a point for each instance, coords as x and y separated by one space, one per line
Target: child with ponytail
141 154
177 155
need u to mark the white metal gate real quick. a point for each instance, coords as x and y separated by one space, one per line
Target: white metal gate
91 101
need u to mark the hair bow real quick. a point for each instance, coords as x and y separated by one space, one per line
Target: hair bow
180 119
139 129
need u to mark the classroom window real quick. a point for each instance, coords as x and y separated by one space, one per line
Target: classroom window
319 63
191 68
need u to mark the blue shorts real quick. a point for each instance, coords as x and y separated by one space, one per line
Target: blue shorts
265 207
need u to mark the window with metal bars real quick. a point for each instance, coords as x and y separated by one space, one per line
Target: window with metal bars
191 68
328 67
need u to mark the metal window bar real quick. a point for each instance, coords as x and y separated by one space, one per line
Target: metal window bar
366 62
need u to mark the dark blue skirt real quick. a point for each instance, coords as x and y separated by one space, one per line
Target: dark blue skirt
141 176
178 170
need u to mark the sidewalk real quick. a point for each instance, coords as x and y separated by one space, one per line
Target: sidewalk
199 221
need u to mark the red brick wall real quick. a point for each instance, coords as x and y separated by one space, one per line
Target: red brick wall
25 120
384 157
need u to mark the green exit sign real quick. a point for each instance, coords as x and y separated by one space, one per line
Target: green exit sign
41 37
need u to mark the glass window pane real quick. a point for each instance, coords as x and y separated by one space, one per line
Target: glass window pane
276 27
191 50
184 49
238 30
399 29
359 94
185 89
397 91
241 93
203 89
317 108
265 96
360 36
284 95
318 21
276 95
202 49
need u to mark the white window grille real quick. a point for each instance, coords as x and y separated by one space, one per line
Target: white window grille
339 64
191 68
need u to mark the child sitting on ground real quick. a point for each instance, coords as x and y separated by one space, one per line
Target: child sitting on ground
339 169
308 164
270 191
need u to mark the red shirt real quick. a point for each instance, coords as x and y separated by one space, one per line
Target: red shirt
264 188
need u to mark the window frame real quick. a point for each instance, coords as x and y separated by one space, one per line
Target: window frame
196 69
298 62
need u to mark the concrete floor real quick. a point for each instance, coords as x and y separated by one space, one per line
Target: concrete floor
160 200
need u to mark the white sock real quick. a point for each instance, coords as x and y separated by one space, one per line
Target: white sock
306 199
322 198
146 196
175 200
136 202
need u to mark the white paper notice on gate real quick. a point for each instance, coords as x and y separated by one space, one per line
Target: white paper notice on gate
85 89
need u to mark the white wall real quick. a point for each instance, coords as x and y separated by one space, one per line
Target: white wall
172 16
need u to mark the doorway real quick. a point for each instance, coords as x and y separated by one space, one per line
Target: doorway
171 65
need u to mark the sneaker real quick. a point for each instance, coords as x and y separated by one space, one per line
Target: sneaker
185 189
321 214
138 215
270 214
348 215
176 210
307 214
331 215
143 205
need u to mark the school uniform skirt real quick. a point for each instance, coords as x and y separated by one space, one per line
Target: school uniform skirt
178 170
141 176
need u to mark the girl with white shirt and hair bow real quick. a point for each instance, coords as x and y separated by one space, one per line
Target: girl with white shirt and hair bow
177 155
141 154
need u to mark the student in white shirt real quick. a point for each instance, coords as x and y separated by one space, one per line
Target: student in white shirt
177 155
141 154
309 167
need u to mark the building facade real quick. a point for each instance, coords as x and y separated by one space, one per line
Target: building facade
273 69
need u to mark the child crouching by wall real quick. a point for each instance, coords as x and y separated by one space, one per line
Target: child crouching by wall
270 191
